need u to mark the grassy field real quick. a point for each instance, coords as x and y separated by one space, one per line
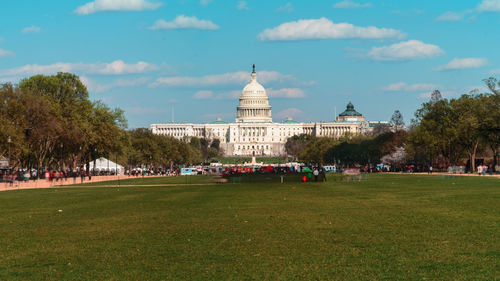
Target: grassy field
388 227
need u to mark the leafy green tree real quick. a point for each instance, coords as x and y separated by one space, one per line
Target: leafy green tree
434 133
469 111
296 144
436 96
315 150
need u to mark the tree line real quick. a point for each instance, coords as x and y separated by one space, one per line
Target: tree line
50 122
444 132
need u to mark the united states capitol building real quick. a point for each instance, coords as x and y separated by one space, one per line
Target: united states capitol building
255 134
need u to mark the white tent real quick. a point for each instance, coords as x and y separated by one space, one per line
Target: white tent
103 164
4 163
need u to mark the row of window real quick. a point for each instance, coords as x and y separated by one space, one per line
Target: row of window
245 147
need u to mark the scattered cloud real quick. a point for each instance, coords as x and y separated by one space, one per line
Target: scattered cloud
483 7
408 13
116 6
207 94
230 78
222 115
444 94
451 16
407 50
117 67
273 93
455 16
229 95
242 5
480 89
140 110
324 28
204 94
95 87
183 22
286 93
5 53
463 64
348 4
286 8
404 87
289 112
205 2
489 6
31 29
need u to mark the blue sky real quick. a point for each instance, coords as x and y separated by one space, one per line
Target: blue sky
150 57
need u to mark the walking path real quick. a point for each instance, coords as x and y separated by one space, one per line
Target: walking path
43 183
448 174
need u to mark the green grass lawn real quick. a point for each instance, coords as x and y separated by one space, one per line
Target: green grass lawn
388 227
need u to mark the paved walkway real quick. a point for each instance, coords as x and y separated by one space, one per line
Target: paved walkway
448 174
43 183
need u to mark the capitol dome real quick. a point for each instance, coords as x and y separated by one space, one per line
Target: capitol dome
254 103
254 88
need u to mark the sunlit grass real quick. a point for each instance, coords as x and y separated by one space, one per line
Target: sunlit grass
390 227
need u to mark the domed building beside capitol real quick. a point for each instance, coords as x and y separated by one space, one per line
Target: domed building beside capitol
255 134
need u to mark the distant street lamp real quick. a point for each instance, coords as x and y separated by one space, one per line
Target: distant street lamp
61 165
80 159
9 140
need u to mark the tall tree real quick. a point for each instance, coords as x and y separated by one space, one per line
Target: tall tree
316 148
489 124
294 145
493 84
397 120
436 96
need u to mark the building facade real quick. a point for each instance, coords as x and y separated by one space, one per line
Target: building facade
255 134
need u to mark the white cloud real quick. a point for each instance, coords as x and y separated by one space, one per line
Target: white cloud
5 53
463 64
404 87
183 22
289 112
222 115
480 89
207 94
205 2
95 87
286 8
31 29
12 80
445 94
140 110
114 68
489 6
229 95
407 50
451 16
242 5
204 94
273 93
347 4
116 6
286 93
230 78
324 28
